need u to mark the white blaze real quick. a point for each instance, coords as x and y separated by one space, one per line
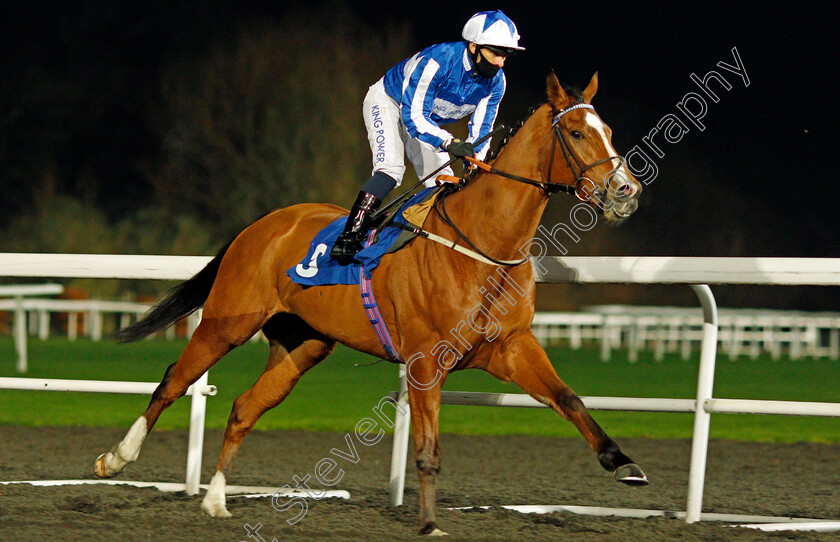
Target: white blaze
594 122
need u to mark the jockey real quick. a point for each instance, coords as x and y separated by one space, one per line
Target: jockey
403 112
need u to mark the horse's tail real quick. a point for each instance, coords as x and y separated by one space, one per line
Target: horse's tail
179 302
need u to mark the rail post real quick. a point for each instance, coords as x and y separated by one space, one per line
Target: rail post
399 453
702 418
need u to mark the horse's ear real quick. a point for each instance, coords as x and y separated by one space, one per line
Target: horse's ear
556 95
591 89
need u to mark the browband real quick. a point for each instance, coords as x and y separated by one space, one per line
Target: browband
559 115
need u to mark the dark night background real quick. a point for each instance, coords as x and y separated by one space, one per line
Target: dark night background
82 84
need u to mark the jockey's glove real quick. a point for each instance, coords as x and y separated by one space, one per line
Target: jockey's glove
460 149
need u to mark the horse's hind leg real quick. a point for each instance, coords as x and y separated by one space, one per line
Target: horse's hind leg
212 339
524 362
295 348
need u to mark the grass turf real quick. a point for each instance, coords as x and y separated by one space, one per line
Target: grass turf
337 393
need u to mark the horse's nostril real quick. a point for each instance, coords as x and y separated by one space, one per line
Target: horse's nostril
623 190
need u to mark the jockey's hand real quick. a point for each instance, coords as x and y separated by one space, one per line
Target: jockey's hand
460 149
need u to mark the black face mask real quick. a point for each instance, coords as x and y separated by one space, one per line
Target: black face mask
484 68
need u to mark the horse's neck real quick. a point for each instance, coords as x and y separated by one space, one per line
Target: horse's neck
501 215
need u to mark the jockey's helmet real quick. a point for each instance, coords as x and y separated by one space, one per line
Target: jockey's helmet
493 29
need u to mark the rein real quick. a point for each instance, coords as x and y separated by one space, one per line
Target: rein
440 210
474 254
407 193
578 172
547 186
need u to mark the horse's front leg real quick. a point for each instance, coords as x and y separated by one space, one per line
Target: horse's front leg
522 360
425 410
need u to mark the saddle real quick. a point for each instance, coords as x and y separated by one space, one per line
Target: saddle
389 234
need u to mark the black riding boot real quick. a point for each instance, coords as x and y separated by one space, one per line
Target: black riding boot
349 242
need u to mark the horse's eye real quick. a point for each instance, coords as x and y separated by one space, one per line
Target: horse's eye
576 134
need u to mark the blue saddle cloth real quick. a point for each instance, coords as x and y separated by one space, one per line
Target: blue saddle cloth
318 269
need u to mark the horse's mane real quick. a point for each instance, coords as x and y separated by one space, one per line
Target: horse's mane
573 92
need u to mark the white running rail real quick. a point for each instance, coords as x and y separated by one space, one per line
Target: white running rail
697 273
121 267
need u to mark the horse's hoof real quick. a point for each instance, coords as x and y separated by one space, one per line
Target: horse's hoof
215 510
99 467
431 529
631 475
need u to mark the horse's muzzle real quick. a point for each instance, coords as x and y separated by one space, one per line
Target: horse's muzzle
621 202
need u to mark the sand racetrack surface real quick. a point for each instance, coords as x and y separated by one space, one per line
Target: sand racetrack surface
800 480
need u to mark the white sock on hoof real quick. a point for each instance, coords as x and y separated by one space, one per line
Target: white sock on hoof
127 450
214 501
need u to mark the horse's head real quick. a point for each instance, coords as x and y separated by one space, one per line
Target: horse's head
582 148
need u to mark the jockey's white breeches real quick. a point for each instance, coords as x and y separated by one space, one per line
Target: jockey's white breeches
390 142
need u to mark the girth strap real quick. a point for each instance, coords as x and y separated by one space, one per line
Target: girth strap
373 314
366 288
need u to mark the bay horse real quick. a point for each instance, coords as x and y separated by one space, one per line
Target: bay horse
421 289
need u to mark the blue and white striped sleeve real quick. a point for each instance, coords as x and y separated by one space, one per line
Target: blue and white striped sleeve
484 117
418 100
